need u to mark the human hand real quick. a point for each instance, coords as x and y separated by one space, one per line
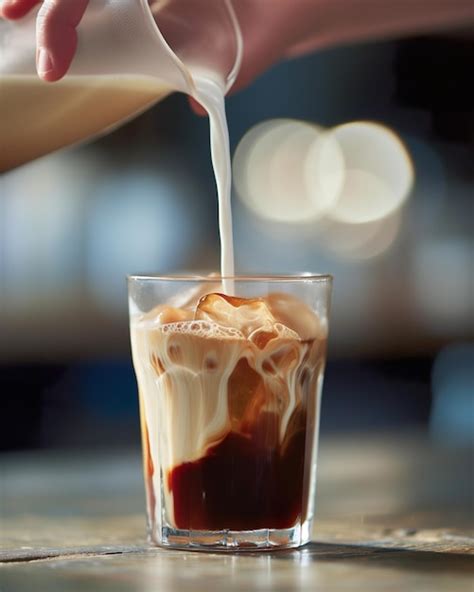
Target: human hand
268 29
56 37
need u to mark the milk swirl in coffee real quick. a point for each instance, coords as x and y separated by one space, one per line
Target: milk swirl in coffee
228 390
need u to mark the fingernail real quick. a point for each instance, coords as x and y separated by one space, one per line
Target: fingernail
44 63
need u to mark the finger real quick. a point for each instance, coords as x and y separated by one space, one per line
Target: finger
56 36
16 9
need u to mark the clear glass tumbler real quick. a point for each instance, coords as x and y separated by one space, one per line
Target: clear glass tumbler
229 390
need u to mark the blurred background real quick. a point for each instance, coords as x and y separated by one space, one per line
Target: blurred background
142 199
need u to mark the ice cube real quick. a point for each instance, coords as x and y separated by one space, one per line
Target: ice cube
245 386
169 314
164 314
245 314
189 298
296 315
263 335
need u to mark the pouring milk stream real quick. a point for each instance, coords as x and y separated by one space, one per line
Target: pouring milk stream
123 66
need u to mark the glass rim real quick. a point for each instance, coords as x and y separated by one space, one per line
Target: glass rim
278 278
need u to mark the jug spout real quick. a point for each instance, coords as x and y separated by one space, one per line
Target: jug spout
204 35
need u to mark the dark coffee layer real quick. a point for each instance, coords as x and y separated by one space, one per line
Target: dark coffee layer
242 484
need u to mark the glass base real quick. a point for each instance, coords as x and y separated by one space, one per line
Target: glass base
265 539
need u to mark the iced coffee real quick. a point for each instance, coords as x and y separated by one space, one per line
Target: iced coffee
229 396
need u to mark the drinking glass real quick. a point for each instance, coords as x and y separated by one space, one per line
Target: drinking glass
230 391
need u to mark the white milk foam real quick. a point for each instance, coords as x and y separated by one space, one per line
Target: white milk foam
203 329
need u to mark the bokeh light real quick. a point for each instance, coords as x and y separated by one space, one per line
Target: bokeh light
349 182
324 170
360 241
288 171
379 173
